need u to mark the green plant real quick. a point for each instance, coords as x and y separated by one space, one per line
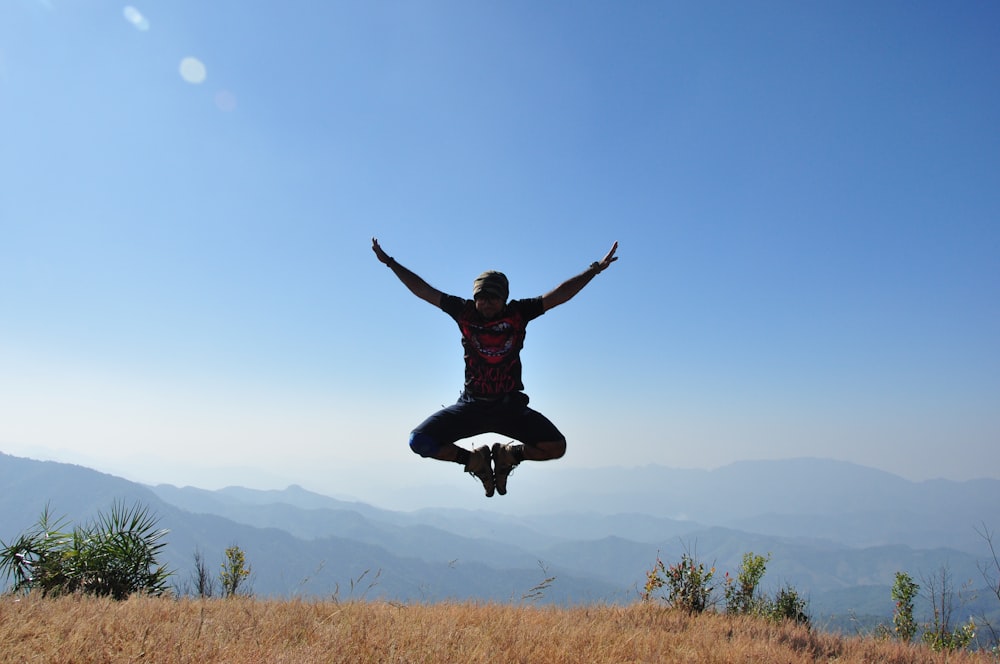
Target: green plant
689 587
940 639
234 571
904 590
35 558
689 583
788 605
115 555
939 634
741 592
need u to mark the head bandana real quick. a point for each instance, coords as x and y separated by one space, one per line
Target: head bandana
492 283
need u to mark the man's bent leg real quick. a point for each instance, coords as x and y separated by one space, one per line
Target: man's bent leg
434 438
545 451
507 456
540 441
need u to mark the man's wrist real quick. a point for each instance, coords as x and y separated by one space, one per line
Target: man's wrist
595 267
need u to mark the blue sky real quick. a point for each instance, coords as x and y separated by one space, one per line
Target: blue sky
806 197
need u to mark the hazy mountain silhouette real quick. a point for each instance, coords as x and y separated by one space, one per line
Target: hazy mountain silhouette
302 543
282 564
813 498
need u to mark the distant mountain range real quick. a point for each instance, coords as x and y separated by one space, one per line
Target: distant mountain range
836 532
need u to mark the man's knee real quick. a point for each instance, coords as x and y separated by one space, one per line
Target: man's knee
552 449
424 445
559 448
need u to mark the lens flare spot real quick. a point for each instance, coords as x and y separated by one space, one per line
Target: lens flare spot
193 70
135 17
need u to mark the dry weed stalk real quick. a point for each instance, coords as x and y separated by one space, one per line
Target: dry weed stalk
81 630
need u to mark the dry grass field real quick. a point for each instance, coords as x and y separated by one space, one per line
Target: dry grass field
242 631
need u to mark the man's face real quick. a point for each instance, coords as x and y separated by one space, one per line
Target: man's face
489 306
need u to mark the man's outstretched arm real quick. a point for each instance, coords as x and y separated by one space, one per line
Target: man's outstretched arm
567 289
417 286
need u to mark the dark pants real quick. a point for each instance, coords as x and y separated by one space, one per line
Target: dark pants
508 416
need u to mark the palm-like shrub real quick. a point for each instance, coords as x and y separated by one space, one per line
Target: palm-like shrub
115 555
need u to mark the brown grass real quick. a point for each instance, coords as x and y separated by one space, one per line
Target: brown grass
82 629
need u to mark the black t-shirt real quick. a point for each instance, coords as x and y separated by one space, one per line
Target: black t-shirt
492 348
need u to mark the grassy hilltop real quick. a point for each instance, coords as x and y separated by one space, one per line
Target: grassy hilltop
80 630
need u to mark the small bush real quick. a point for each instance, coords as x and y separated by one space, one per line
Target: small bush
788 605
689 587
904 590
689 583
234 572
741 592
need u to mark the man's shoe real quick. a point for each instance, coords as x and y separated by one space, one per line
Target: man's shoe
503 463
479 465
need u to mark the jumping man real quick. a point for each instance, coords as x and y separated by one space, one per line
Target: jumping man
493 400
